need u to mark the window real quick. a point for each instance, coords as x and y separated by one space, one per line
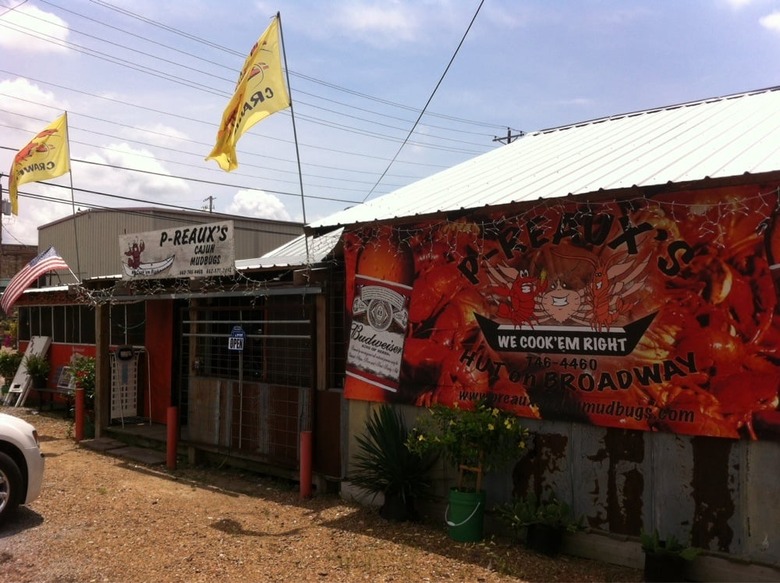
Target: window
128 324
45 321
64 324
86 324
59 323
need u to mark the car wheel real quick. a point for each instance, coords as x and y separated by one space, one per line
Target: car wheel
10 486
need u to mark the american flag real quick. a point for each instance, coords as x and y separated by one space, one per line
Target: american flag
46 261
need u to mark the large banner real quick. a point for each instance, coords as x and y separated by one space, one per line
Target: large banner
652 314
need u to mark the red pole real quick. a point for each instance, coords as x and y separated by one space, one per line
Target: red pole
305 464
79 415
173 437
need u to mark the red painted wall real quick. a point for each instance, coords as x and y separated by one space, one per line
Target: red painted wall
60 355
157 372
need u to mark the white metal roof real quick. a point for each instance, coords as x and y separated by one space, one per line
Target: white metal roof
293 253
713 138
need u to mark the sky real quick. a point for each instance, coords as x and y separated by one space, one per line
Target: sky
144 84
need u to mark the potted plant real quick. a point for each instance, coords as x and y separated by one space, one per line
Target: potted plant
38 368
385 465
543 522
666 558
10 359
473 440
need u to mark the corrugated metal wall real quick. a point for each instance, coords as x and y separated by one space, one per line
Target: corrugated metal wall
718 493
97 234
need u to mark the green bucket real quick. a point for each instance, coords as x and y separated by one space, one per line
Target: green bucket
465 515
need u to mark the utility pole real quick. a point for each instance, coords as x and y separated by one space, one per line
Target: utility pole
211 203
509 138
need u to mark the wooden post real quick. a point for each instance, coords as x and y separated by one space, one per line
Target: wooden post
102 369
478 469
79 415
474 470
321 342
305 472
172 445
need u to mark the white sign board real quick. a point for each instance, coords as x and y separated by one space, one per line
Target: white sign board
189 251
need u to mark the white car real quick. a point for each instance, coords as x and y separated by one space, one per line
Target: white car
21 464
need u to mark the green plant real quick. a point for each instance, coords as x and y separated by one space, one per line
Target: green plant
83 370
38 368
384 463
474 440
521 513
10 327
10 359
670 545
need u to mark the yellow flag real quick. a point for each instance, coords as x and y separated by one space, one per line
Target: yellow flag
45 157
260 91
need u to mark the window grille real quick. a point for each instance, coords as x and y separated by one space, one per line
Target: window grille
278 340
254 401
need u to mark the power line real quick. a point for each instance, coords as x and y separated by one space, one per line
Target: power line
323 123
12 8
160 207
430 98
340 127
363 122
233 52
201 167
183 117
200 71
111 59
129 33
188 179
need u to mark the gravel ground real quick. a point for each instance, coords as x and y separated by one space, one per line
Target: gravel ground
101 518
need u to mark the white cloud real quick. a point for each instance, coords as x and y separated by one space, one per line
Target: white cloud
35 211
28 29
771 21
158 134
577 101
140 188
135 188
738 3
258 204
378 22
398 22
27 106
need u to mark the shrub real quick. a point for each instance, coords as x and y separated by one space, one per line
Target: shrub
83 370
474 440
670 545
38 368
384 463
10 359
524 512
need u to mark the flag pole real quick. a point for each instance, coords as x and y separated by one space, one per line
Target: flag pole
73 207
295 137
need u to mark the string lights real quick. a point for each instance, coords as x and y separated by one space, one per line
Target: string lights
123 291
